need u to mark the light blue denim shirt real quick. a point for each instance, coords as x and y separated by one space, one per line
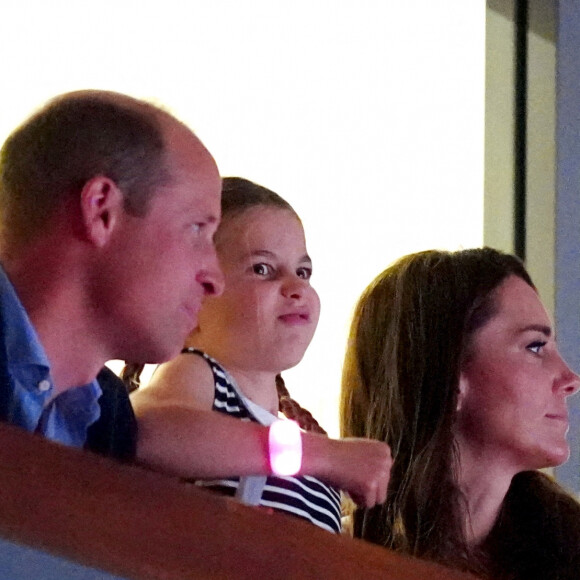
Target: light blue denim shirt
30 405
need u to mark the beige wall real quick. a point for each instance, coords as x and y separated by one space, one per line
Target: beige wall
499 126
541 149
499 138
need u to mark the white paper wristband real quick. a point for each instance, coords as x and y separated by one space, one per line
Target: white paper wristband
285 447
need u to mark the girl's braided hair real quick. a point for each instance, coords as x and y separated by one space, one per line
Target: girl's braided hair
131 376
292 410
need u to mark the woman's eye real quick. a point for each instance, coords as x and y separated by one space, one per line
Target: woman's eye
262 269
536 347
304 273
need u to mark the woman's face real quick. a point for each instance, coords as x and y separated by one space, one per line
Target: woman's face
267 314
514 387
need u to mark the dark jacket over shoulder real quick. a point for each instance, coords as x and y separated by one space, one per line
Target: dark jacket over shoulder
115 432
537 536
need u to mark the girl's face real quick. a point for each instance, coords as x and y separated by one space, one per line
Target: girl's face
267 314
514 387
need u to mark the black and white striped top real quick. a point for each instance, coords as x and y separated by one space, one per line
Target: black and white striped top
302 496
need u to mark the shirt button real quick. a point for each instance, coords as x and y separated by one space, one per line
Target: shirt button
44 386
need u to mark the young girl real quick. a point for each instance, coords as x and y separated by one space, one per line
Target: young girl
205 414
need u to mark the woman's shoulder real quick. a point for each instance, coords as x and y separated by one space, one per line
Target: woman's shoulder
541 521
543 491
536 495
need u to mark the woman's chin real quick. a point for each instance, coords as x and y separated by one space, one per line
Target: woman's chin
552 457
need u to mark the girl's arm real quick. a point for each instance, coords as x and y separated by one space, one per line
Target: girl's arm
181 435
179 432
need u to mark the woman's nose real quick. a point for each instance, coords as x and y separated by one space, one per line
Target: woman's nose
569 381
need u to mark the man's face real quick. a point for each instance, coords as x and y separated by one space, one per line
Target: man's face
162 265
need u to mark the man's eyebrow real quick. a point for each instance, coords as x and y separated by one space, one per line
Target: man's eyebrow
197 216
545 330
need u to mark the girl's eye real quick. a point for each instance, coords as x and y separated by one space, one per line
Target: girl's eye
537 346
304 273
262 269
196 229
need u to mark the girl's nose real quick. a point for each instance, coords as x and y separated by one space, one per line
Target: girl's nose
293 287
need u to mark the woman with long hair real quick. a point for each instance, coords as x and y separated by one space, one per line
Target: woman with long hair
452 362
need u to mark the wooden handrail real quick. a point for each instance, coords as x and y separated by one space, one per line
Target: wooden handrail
138 524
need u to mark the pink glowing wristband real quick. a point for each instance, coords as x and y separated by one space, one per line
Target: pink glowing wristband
285 447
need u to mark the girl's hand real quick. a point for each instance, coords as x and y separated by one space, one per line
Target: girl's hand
361 467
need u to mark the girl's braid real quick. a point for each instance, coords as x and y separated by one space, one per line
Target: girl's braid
292 410
131 374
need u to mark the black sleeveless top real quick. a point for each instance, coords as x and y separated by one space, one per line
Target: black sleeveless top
301 496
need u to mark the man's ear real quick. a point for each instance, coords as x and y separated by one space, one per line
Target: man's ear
101 205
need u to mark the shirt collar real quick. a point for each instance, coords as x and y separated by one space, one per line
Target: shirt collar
66 417
20 338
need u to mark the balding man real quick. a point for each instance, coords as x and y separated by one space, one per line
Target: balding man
108 206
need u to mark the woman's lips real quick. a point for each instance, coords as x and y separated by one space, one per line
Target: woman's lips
560 417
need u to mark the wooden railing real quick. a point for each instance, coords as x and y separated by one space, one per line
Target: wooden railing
135 523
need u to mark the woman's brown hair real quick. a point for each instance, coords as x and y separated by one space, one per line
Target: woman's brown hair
409 337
